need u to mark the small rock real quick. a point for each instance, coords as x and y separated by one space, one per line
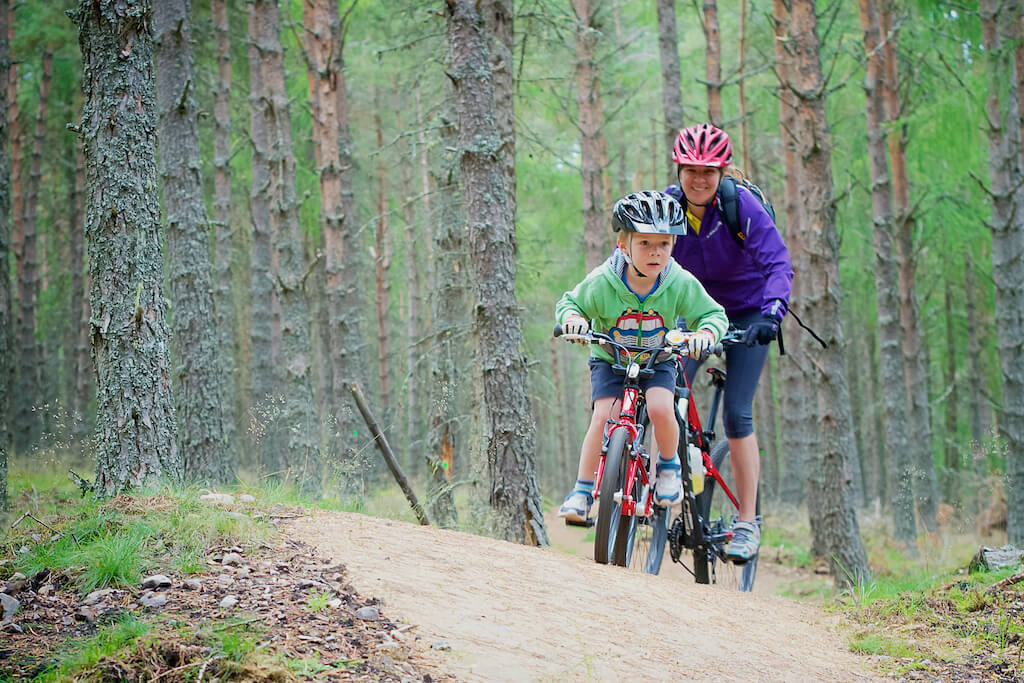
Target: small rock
232 559
15 585
23 550
45 590
229 602
96 596
156 581
10 627
9 605
66 620
85 613
335 604
440 645
152 599
192 584
225 579
246 498
36 538
309 583
217 499
368 613
242 572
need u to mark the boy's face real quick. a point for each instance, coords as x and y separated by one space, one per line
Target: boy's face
649 253
699 183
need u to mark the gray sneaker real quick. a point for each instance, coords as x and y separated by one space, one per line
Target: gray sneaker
746 539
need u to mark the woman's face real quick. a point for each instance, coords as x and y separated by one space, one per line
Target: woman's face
699 183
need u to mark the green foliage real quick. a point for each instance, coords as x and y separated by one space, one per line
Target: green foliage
877 644
114 641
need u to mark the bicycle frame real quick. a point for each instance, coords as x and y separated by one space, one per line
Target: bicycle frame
696 434
632 401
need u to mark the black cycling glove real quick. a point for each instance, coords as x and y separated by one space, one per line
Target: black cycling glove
763 331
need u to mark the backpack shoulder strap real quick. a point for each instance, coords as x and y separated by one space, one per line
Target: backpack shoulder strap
729 205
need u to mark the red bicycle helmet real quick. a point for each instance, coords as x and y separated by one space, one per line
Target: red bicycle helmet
702 145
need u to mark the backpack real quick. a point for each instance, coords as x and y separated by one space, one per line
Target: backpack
728 204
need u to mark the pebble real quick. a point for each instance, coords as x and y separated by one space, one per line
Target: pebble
368 613
151 599
96 596
156 581
232 559
192 584
229 601
10 605
246 498
217 498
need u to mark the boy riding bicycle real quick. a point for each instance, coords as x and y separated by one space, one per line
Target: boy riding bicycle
629 297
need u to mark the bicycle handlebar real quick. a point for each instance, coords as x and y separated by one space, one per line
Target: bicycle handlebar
732 336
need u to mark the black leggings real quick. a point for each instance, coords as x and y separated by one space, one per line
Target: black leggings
743 366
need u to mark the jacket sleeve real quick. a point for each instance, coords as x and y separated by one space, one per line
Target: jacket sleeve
767 250
700 310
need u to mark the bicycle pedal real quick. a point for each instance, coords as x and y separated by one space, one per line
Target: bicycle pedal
586 524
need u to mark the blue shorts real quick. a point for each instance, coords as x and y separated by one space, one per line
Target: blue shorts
604 383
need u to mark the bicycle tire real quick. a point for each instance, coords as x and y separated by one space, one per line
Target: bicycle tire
607 513
727 574
637 536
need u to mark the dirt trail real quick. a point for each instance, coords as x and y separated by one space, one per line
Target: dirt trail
515 613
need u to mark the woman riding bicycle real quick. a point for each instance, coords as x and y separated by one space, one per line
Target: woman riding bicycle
753 282
630 297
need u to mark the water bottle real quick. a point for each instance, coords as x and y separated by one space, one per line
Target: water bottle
696 461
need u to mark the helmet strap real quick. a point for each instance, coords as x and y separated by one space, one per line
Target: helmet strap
629 259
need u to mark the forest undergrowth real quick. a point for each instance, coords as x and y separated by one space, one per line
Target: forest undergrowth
229 597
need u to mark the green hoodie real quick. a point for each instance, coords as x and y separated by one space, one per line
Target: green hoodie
605 300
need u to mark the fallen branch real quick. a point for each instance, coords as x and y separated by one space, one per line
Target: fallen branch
389 456
39 521
1008 581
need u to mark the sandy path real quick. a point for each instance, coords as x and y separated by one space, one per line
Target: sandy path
515 613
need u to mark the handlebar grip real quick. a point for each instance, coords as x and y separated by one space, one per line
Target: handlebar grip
557 332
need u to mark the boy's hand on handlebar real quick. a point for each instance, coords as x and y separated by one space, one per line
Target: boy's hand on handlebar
575 325
700 343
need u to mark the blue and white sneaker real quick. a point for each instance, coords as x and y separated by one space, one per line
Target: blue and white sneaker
746 540
668 484
576 507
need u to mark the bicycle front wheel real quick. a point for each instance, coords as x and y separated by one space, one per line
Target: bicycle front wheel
718 512
640 540
606 529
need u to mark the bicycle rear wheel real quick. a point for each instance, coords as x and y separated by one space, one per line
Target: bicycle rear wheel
718 512
612 477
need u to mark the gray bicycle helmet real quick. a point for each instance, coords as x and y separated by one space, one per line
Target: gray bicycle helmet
649 212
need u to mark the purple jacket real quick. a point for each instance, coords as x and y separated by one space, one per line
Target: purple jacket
756 277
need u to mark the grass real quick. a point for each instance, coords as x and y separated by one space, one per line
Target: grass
114 641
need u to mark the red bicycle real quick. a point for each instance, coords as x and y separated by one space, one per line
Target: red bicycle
630 529
709 505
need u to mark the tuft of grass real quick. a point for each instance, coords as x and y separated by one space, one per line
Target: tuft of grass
114 559
319 599
111 641
879 644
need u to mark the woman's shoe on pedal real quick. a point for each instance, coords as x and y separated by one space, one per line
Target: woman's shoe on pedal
576 507
668 484
746 539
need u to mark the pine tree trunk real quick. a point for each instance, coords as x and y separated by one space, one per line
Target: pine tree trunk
450 314
261 368
976 400
324 47
382 269
741 92
199 382
499 19
136 434
896 447
883 470
925 489
1007 226
274 148
951 441
834 523
509 428
713 61
671 82
791 388
30 362
84 377
5 246
73 329
223 298
590 118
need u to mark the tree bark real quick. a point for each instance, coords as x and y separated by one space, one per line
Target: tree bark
224 232
925 489
499 19
671 82
741 92
199 388
136 434
590 118
509 428
76 344
382 268
791 388
1007 226
896 446
713 61
952 453
324 47
975 398
5 246
28 422
272 145
834 523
